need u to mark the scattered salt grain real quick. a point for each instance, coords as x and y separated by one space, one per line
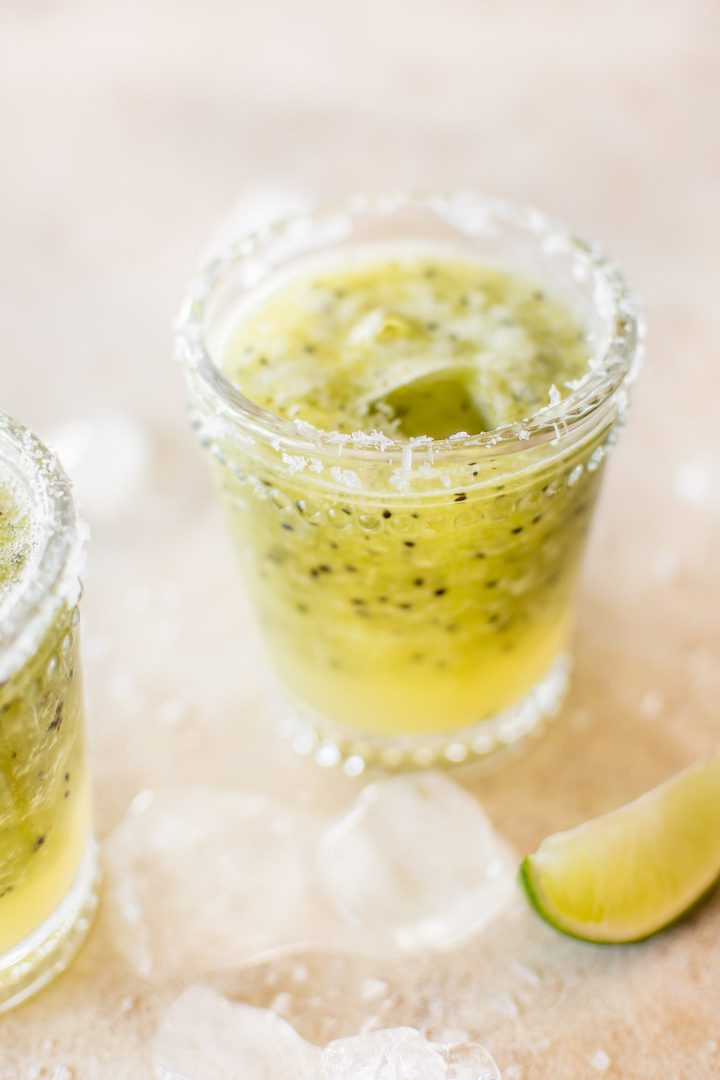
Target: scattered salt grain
651 705
346 477
282 1002
665 567
600 1061
372 989
693 482
527 974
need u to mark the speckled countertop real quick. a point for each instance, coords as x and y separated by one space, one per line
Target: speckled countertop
129 132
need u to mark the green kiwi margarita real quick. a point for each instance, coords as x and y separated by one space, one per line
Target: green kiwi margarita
409 403
47 855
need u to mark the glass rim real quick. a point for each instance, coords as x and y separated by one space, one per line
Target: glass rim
53 577
613 367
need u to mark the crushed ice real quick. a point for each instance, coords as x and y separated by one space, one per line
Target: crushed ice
203 1036
201 879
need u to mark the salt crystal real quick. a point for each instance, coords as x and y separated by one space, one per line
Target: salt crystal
600 1061
282 1002
407 867
296 463
527 974
62 1073
204 1035
665 567
693 482
172 712
711 1044
513 1072
372 989
651 705
346 477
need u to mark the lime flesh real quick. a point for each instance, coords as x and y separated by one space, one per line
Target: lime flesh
628 874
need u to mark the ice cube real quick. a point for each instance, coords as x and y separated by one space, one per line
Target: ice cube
393 1054
404 1054
200 879
414 863
206 1037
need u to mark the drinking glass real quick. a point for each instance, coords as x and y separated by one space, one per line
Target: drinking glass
48 859
414 595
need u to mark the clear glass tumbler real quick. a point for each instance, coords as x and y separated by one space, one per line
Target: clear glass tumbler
414 595
48 858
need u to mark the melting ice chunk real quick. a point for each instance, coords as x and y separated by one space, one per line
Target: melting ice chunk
415 863
207 1037
200 879
404 1054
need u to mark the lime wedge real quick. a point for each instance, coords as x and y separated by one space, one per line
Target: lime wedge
624 876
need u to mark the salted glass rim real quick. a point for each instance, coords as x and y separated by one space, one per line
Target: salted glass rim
613 365
52 578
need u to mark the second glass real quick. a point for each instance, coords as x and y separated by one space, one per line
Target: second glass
414 594
48 857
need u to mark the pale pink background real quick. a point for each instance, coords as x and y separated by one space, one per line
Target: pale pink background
128 132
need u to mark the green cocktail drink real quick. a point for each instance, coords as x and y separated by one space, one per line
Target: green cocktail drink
411 479
47 856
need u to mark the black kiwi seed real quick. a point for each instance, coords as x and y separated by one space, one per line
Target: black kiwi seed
440 592
387 514
460 497
409 543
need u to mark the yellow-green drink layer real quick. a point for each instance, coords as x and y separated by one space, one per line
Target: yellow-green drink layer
427 589
44 798
408 347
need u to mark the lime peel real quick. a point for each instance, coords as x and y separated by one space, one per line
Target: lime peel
626 875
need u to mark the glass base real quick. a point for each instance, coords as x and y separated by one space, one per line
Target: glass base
42 955
331 745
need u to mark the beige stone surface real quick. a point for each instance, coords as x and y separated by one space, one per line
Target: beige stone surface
128 132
